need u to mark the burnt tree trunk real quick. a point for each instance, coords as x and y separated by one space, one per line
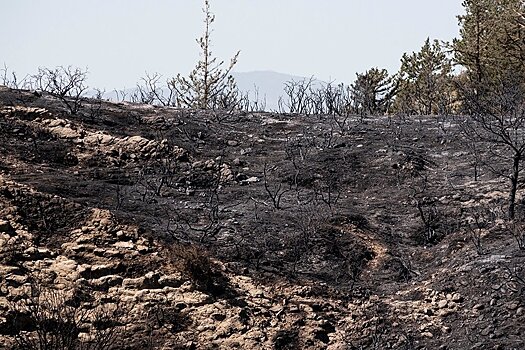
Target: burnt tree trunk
514 185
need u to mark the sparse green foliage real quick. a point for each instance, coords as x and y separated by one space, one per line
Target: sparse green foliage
491 47
472 50
492 51
373 91
209 85
425 81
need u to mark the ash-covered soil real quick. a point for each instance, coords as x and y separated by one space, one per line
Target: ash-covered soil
163 228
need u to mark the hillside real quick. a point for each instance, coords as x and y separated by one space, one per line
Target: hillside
131 226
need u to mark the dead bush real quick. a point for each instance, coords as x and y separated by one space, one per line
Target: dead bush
196 265
517 230
46 319
68 84
172 318
286 339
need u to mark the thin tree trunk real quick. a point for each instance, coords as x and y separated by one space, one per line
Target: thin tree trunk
514 185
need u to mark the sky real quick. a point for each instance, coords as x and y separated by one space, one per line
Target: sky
119 40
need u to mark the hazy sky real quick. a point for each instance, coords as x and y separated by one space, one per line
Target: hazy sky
120 39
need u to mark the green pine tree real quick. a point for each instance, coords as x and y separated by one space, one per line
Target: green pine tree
425 81
373 91
491 48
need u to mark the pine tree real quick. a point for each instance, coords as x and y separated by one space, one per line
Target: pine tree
491 47
473 50
425 81
372 91
208 86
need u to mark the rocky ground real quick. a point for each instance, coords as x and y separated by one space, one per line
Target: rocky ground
129 226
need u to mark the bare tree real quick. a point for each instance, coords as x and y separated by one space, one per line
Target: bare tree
499 123
46 319
297 93
517 230
66 83
433 216
476 226
337 99
150 91
310 96
248 103
11 80
274 192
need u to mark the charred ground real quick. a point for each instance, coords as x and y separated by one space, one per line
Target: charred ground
215 229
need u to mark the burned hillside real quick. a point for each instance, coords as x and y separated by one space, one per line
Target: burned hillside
181 228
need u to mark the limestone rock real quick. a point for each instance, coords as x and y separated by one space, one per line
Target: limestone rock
97 271
174 281
106 282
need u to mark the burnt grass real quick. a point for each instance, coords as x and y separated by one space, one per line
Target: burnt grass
356 207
